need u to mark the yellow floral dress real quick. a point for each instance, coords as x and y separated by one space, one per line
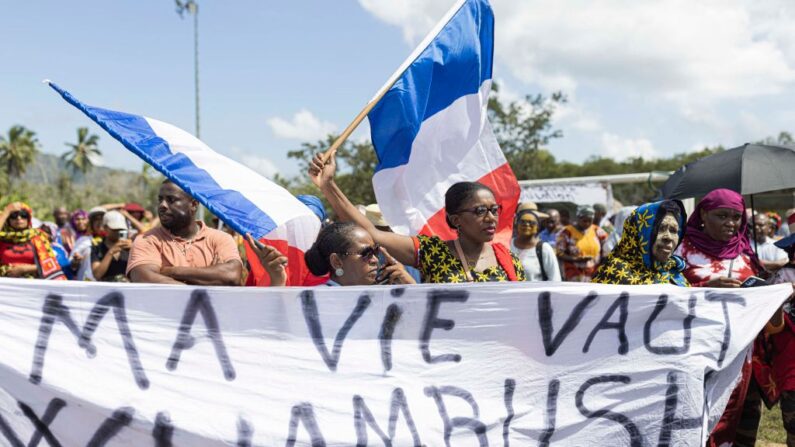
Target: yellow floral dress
437 264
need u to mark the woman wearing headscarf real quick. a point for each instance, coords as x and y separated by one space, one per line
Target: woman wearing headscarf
717 253
537 257
25 252
471 211
645 253
580 246
77 228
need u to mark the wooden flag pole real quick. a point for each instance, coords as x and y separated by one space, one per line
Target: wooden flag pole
392 80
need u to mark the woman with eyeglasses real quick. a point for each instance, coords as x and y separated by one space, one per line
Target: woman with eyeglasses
537 257
25 252
472 211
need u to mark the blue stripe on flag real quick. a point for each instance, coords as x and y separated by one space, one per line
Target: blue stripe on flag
134 132
454 64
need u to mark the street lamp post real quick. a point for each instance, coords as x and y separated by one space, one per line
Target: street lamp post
192 7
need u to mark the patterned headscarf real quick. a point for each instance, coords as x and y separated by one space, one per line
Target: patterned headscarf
45 259
632 261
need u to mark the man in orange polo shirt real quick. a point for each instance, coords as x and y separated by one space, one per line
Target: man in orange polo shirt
182 250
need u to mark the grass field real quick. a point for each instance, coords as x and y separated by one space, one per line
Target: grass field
771 432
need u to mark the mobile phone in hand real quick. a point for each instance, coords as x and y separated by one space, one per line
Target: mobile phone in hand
753 281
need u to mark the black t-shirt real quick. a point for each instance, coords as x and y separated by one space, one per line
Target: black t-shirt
117 267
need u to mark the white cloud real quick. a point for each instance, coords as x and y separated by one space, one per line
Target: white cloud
260 164
683 51
621 148
304 126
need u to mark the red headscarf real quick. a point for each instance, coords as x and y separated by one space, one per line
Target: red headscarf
738 244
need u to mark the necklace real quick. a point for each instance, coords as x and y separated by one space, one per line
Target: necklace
464 259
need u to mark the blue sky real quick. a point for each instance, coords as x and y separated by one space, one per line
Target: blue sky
644 78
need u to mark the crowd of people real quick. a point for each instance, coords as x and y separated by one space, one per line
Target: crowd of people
720 245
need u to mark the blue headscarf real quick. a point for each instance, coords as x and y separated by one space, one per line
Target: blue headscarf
632 261
314 204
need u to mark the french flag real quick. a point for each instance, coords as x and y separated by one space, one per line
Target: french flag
431 130
244 200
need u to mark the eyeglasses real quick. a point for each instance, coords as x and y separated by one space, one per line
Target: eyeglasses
481 210
529 223
366 252
18 215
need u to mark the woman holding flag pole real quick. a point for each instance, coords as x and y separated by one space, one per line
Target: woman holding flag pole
472 211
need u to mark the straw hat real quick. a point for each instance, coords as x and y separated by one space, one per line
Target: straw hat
533 207
374 215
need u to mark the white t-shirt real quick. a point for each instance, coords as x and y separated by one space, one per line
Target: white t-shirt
769 252
532 267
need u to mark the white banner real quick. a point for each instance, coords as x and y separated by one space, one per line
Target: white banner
520 364
581 194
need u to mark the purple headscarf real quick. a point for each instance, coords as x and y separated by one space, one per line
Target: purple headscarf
738 244
75 215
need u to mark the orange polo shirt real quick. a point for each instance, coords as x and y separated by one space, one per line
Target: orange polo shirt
161 248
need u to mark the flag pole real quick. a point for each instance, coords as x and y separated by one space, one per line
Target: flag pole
392 80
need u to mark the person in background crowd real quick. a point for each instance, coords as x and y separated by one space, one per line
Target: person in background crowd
775 223
552 228
718 253
580 245
599 214
771 257
50 229
537 257
182 250
25 252
81 252
136 216
349 255
472 211
618 228
781 333
645 252
565 218
77 228
789 228
61 216
109 257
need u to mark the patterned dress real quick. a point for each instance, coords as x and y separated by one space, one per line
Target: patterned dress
437 264
702 267
631 262
572 242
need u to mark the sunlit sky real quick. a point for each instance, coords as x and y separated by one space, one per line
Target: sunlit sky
643 78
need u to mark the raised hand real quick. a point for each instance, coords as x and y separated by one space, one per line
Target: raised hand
321 169
273 260
393 271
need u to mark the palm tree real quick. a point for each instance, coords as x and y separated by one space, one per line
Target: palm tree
82 155
18 150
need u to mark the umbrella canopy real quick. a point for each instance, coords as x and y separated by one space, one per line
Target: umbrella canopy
748 169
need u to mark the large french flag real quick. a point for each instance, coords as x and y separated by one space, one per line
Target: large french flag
431 129
243 199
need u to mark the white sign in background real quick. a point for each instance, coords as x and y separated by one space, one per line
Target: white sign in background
581 193
466 365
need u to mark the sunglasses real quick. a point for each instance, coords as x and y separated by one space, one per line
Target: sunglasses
529 223
19 215
366 252
481 210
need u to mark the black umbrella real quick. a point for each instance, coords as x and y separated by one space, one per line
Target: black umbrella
748 169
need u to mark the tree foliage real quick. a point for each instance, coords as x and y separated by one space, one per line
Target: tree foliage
82 155
18 150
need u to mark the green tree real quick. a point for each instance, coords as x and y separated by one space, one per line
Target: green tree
523 128
18 150
81 156
356 162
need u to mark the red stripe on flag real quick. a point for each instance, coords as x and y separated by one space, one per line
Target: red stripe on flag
506 190
298 273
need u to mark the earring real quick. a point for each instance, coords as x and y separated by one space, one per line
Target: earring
339 271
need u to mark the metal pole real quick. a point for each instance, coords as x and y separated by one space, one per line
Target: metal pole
753 224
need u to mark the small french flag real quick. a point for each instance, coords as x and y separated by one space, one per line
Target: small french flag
243 199
431 129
